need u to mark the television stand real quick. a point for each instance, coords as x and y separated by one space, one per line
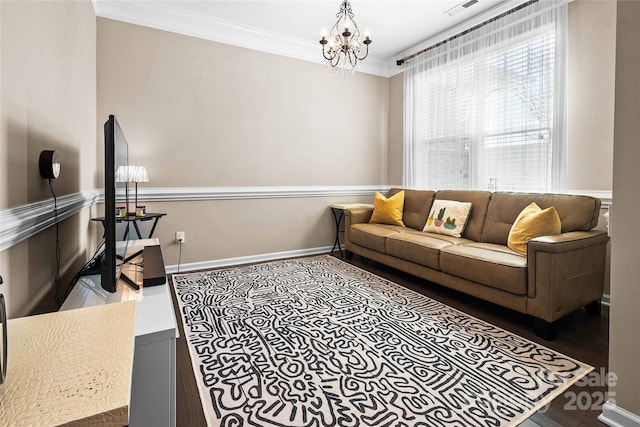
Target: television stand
153 382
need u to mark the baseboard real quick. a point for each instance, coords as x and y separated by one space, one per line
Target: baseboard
250 259
615 416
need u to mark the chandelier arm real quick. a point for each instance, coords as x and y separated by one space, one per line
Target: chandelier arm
336 60
353 59
365 54
330 56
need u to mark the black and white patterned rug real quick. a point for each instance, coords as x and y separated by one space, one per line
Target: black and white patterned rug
318 342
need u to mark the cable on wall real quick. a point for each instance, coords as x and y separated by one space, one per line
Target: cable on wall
55 216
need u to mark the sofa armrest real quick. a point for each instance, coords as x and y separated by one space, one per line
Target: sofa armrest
354 216
566 242
357 215
565 272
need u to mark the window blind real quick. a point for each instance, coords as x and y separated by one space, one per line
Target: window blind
486 111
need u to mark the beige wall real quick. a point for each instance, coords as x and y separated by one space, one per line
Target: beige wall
205 114
242 228
48 101
590 106
201 113
396 129
624 340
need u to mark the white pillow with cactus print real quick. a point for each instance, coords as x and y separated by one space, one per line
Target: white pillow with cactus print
447 217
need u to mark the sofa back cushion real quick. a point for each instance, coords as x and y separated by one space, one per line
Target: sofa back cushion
479 202
577 213
416 206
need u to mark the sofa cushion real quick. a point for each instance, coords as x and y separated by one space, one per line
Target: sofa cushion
492 265
373 236
388 210
577 213
479 201
531 223
421 248
451 239
416 206
448 217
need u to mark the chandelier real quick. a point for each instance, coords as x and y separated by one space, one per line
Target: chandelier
343 48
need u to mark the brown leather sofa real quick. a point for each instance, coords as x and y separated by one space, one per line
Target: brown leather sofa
559 274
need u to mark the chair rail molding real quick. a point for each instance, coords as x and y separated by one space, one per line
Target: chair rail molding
21 222
24 221
169 194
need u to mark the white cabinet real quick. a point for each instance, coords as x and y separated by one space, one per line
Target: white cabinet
153 388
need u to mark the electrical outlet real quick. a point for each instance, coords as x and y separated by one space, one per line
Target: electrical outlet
180 237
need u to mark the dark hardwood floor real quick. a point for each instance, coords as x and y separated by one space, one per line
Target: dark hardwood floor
580 335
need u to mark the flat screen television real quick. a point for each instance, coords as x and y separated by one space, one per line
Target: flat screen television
116 155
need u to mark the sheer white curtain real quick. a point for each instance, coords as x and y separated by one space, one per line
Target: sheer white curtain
487 110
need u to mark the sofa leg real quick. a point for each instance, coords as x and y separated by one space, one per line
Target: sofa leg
348 255
594 307
545 330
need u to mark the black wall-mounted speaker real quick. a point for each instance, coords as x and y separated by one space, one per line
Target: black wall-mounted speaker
49 164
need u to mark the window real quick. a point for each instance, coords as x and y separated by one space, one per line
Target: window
486 110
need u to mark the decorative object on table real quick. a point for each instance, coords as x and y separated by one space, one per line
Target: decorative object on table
344 48
311 339
141 211
138 174
121 212
131 174
123 176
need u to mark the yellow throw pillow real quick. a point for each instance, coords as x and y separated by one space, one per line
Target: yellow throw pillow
533 222
388 210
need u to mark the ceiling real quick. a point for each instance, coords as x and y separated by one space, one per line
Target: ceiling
294 27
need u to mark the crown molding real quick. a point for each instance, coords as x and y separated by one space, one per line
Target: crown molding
165 17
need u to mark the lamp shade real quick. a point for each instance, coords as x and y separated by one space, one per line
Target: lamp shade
123 173
138 174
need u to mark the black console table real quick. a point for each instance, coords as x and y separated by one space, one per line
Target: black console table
132 218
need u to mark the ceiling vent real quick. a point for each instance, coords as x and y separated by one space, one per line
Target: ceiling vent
460 7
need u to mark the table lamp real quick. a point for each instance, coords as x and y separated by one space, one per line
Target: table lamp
138 174
123 176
